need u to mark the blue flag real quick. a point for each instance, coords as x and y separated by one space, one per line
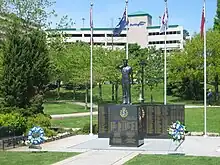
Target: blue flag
121 25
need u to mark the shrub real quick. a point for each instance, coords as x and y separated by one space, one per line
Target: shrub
4 110
42 121
15 121
49 133
86 128
38 120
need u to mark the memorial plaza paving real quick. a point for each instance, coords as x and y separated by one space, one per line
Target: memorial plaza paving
97 151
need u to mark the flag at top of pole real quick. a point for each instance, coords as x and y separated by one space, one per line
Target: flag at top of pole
164 20
202 21
121 25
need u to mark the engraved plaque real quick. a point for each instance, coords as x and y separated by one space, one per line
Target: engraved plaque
103 121
151 121
126 128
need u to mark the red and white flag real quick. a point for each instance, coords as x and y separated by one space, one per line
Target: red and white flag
202 22
164 20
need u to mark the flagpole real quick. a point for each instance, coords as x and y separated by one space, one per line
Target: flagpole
165 68
205 103
165 61
112 21
91 74
126 1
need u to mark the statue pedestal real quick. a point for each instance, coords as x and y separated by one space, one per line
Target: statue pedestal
126 125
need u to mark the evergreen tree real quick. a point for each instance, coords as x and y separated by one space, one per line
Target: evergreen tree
217 17
25 69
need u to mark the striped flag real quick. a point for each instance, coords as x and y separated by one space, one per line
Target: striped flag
164 20
202 22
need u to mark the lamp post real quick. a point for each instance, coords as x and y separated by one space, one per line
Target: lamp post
142 64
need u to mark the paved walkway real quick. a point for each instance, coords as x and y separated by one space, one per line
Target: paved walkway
83 104
100 158
97 151
60 116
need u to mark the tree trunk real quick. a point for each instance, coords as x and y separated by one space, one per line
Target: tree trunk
100 91
216 87
74 93
151 94
113 91
86 97
58 90
116 92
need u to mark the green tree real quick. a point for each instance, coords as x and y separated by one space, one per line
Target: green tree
213 60
217 17
186 68
113 61
134 50
25 70
100 67
1 63
153 68
31 13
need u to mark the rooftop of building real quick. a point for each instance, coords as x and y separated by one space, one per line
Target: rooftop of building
139 13
103 29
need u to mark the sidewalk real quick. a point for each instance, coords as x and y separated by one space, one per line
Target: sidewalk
60 116
100 158
97 151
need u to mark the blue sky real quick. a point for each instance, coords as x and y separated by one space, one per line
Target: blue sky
181 12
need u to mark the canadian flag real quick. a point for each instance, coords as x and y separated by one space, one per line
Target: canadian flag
202 22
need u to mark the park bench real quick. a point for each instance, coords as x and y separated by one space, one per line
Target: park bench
8 138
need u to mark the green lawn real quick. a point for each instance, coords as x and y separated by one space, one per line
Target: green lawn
173 160
73 122
52 108
107 95
157 93
29 158
193 120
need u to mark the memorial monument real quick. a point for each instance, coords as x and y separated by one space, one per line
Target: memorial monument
127 124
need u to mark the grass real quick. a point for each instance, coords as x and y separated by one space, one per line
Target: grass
193 120
73 122
52 108
172 160
29 158
157 94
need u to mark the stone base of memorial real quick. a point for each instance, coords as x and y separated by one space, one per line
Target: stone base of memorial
126 125
152 121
